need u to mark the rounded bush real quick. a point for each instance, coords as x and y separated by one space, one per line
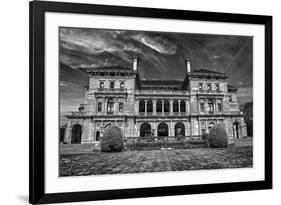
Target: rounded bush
217 137
112 140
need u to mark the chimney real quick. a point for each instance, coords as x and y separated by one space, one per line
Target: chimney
188 65
135 63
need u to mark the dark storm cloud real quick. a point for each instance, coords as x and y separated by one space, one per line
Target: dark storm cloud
162 55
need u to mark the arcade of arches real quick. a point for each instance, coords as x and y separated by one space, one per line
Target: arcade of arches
162 130
150 107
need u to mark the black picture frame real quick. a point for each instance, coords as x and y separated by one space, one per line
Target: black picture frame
37 11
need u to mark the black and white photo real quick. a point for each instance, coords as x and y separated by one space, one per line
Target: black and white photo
139 101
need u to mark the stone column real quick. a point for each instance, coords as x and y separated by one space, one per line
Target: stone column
145 107
170 129
190 124
94 131
222 111
137 104
154 107
162 107
186 106
124 129
115 106
186 128
215 105
155 130
171 106
179 104
206 105
103 105
67 135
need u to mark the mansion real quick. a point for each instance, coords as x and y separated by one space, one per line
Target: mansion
140 108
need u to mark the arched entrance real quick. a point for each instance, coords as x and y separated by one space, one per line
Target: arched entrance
179 129
236 128
107 125
76 134
162 130
145 130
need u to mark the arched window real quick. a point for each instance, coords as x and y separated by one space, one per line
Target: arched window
122 85
179 129
236 130
110 106
166 106
182 106
211 106
141 106
159 106
111 85
211 124
149 106
163 130
175 106
145 130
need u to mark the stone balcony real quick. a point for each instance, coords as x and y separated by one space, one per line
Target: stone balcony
209 92
122 91
162 114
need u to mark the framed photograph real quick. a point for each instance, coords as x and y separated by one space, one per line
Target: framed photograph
130 102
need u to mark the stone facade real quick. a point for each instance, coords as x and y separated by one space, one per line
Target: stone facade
116 95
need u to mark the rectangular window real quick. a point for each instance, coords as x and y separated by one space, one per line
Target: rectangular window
217 87
121 107
97 135
219 107
200 86
201 107
101 85
211 107
203 131
209 87
122 85
112 85
99 107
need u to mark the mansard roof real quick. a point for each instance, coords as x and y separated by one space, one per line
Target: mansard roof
112 71
204 73
110 68
161 84
231 88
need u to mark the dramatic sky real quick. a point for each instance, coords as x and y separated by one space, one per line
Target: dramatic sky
161 56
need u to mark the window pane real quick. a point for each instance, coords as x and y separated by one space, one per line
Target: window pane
120 107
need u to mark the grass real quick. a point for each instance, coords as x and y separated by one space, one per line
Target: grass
97 163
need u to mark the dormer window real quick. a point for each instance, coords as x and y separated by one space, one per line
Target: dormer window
101 84
111 85
122 85
209 88
200 86
217 87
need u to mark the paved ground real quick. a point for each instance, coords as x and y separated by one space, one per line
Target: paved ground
155 161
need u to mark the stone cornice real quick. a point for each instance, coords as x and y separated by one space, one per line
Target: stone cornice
154 116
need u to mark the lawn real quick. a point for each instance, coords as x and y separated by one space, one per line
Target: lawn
97 163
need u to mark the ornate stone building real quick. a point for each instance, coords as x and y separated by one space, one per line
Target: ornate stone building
117 95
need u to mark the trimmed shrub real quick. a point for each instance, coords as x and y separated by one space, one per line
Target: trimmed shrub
217 137
112 140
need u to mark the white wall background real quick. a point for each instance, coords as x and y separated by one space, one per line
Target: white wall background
14 100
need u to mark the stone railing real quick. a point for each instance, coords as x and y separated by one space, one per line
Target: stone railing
77 113
112 89
209 91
